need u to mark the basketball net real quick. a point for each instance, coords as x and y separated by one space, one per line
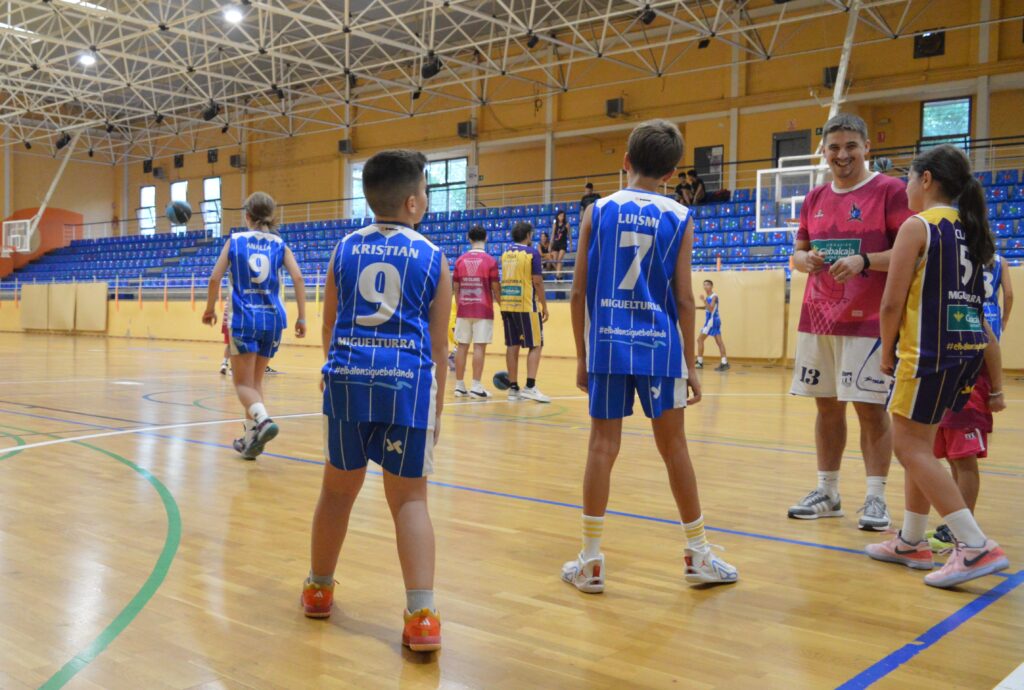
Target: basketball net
826 302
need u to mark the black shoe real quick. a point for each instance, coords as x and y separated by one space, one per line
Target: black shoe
722 367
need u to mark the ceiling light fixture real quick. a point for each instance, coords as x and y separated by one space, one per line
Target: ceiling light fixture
87 59
64 140
233 15
211 111
159 118
532 40
648 15
703 43
431 66
110 128
28 145
224 129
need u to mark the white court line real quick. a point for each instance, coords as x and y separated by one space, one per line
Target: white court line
106 378
165 427
1014 681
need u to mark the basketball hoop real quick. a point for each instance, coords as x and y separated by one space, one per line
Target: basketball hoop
17 237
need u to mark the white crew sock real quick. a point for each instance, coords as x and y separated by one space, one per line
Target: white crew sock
476 384
700 360
593 527
965 528
419 599
696 538
914 525
459 383
258 412
876 487
828 482
725 360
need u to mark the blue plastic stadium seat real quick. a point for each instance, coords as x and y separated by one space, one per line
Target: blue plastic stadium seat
1007 177
984 177
1010 210
730 223
743 195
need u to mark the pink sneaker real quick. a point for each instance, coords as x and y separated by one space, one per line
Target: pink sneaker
896 550
966 564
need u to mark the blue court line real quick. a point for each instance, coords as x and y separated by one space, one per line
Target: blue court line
901 656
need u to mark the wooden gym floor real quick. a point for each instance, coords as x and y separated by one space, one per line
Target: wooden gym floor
138 551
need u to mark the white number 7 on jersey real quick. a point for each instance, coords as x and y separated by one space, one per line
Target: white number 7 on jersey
643 243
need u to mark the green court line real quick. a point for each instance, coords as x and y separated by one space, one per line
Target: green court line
156 577
11 452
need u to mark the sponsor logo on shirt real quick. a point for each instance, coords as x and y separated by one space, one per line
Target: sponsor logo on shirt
834 250
962 319
855 213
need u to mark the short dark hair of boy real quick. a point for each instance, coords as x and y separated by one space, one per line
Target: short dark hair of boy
655 148
710 282
588 186
521 230
477 234
391 177
692 173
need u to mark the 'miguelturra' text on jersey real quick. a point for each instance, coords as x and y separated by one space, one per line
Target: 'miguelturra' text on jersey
255 260
942 323
379 367
632 322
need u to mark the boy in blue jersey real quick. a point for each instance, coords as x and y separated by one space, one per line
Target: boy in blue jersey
712 327
633 319
253 260
386 310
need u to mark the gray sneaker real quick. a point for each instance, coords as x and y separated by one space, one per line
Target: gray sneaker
874 515
722 367
816 505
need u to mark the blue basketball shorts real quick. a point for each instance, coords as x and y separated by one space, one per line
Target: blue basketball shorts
400 450
262 343
611 395
712 328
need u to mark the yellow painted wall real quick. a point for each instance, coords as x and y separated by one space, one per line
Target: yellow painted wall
86 188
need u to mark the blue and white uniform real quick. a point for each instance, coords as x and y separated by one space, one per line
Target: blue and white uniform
379 398
632 329
993 284
255 260
712 321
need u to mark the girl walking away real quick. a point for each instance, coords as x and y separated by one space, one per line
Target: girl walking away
932 322
253 261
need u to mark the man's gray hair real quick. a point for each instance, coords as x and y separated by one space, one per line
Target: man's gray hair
846 122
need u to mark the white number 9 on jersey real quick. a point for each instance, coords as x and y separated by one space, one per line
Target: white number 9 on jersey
386 297
259 264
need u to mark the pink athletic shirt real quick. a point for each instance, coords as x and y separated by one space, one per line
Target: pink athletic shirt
474 272
840 223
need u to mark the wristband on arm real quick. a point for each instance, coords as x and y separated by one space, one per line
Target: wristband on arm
867 263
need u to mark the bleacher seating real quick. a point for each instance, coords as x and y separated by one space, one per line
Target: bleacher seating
725 232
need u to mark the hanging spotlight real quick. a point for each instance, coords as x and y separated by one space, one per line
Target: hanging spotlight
431 66
233 15
87 59
110 128
647 15
532 40
353 80
64 140
211 111
90 153
159 118
224 129
28 145
703 43
416 94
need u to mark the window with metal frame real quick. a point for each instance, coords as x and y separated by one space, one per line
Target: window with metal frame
146 213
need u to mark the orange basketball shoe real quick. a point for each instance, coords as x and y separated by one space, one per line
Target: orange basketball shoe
422 632
317 600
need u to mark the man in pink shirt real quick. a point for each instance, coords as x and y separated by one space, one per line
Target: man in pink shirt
476 287
846 234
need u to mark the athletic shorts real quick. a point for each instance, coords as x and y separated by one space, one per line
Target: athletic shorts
476 331
845 367
523 328
957 444
712 329
611 395
262 343
400 450
927 398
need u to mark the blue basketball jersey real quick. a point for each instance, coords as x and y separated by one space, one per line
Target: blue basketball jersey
711 317
380 366
993 282
255 260
632 323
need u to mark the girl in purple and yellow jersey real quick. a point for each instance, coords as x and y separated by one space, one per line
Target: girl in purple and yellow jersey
932 322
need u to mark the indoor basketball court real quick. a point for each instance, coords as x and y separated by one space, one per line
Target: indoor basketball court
139 550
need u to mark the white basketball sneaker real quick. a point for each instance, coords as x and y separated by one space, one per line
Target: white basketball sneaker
534 394
704 567
586 576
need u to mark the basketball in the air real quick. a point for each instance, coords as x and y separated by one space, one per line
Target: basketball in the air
501 381
178 212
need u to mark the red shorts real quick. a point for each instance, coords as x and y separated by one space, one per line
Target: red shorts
227 334
957 444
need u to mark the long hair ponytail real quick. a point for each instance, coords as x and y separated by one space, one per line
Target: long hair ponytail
951 169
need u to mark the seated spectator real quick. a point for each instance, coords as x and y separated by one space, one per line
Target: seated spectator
682 188
696 194
544 247
588 198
